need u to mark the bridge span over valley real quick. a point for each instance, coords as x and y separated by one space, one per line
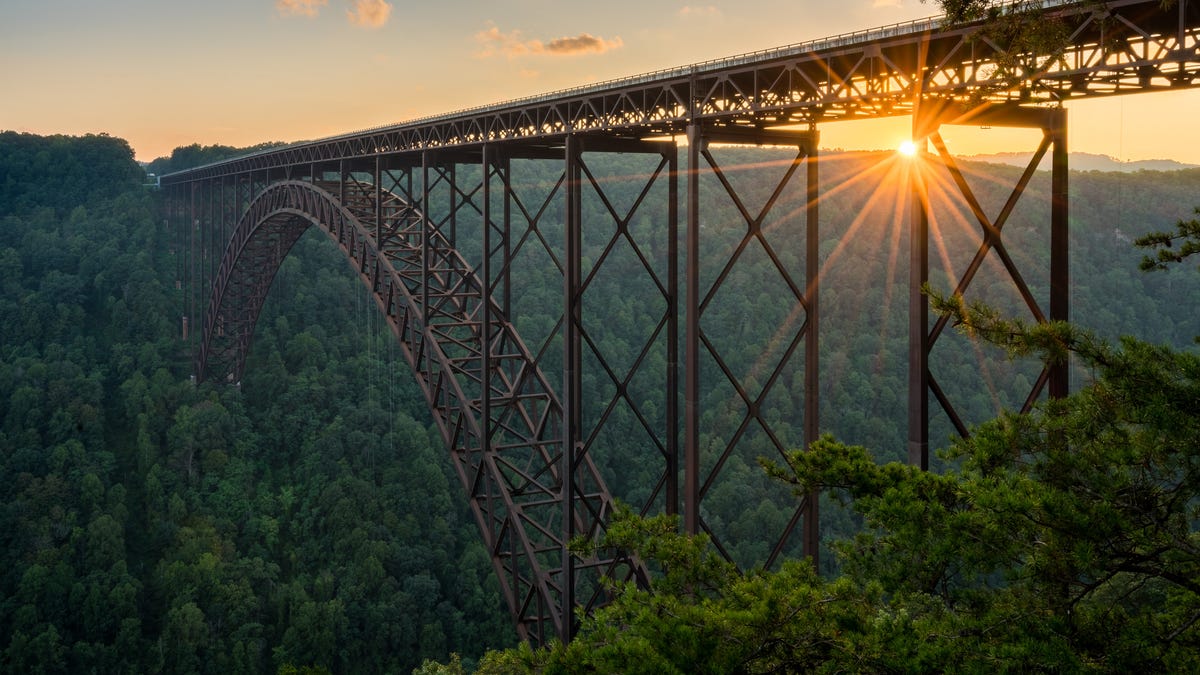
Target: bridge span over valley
451 220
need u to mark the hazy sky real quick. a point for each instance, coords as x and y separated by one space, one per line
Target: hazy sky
163 73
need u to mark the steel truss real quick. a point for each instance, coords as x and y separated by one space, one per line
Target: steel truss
512 439
1116 47
701 473
404 221
1052 122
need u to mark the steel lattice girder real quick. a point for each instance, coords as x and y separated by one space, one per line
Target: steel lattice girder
515 225
663 282
496 412
1131 46
802 295
433 301
1053 380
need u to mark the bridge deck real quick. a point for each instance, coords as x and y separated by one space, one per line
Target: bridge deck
1131 46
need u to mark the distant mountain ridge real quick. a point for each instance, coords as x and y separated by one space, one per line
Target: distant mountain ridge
1086 161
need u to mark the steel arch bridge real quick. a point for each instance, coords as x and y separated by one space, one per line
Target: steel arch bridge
438 219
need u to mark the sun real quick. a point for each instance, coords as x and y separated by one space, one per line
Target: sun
908 149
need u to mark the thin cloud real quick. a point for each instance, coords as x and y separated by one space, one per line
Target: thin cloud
881 4
708 11
369 13
299 7
582 44
493 42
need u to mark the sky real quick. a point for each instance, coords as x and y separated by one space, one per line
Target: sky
165 73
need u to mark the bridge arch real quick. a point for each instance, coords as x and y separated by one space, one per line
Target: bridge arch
497 414
261 240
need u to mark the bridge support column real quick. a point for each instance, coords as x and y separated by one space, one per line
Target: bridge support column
626 247
427 228
771 238
178 231
812 344
193 283
697 143
918 316
1060 277
572 393
929 118
485 321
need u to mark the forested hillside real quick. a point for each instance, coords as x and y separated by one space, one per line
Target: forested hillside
310 518
147 525
189 156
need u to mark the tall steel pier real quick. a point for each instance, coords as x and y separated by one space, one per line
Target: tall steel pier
448 220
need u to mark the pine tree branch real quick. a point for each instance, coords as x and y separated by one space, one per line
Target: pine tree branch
1186 235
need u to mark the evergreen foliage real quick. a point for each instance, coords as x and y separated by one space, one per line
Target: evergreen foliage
190 156
1064 541
309 521
63 172
1186 234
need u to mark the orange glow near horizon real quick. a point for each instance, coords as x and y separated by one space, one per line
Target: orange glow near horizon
894 181
237 76
942 190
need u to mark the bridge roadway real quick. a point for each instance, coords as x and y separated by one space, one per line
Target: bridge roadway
1130 46
400 200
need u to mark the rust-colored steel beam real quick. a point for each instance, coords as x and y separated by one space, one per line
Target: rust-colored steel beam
498 414
918 316
702 473
1128 46
812 350
1052 122
572 387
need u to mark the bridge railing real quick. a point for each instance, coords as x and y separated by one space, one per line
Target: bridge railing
901 29
896 30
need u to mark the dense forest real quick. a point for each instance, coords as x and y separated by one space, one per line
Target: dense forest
190 156
304 520
308 518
